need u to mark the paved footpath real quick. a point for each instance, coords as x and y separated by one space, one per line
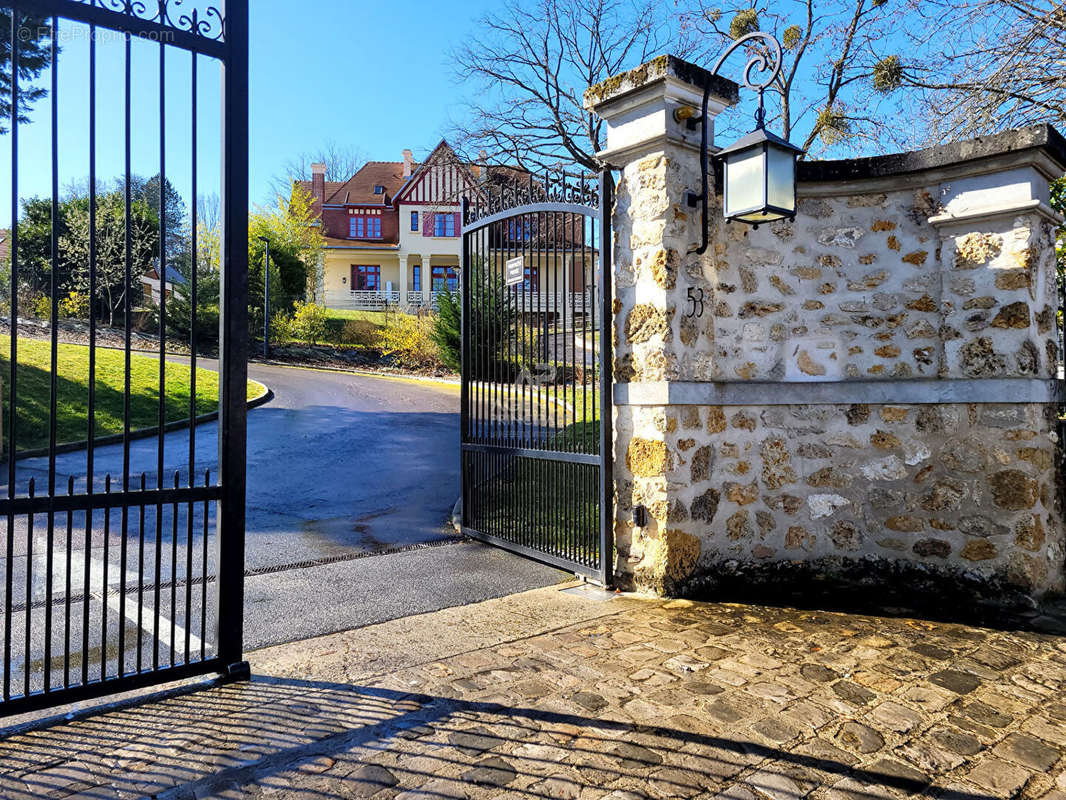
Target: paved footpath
566 694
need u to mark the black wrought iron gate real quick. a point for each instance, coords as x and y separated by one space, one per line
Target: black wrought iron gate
536 371
121 559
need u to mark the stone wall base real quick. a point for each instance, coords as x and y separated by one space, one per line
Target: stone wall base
876 585
952 489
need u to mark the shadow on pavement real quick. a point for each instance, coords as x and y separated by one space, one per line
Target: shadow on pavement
303 738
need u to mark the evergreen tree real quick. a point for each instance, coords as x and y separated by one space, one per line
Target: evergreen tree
34 43
447 329
492 319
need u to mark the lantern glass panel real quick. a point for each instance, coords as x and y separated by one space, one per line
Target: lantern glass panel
781 183
744 181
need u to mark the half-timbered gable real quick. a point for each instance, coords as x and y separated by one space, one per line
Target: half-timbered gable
442 179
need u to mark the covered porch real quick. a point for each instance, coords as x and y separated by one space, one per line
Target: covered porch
424 277
371 279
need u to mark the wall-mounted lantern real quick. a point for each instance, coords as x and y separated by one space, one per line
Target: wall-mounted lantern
760 170
759 183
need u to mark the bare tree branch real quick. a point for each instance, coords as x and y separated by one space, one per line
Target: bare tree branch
829 52
528 66
986 65
342 161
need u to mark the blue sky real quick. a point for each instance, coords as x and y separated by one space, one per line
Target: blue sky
372 75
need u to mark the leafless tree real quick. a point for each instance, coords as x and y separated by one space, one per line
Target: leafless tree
983 65
527 68
824 99
342 161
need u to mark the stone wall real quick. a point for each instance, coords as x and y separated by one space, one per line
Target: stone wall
870 384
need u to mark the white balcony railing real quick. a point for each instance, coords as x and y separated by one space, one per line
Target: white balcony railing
361 299
523 301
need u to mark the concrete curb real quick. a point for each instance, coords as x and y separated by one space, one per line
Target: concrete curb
369 373
141 433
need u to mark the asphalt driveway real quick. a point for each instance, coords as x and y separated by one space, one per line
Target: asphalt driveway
351 482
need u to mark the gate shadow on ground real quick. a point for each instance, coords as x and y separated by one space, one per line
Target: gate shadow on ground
327 740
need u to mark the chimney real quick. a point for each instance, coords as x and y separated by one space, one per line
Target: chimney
483 165
408 163
318 182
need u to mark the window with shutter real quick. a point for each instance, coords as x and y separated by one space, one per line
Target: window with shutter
445 224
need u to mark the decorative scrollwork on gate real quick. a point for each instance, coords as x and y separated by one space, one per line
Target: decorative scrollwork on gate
181 15
506 188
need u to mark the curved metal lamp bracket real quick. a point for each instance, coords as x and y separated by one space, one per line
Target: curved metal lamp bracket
760 62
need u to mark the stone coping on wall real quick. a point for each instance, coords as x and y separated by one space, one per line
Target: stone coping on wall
1034 137
772 393
660 69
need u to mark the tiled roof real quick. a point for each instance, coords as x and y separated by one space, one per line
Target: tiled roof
331 187
359 189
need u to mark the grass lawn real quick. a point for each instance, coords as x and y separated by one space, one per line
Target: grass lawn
34 373
547 505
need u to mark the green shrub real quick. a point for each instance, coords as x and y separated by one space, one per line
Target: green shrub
447 329
410 340
526 345
281 328
74 306
360 332
492 316
42 307
308 322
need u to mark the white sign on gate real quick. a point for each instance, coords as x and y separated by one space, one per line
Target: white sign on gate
515 271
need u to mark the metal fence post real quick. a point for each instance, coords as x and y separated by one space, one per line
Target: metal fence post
233 353
465 284
606 381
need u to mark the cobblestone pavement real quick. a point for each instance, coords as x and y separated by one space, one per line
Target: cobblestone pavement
552 694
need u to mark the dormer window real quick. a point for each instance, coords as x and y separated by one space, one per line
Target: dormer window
364 227
379 189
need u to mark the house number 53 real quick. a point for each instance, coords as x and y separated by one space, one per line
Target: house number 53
695 297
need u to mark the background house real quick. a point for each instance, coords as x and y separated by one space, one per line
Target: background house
150 284
393 233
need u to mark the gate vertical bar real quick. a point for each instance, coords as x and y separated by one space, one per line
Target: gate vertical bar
233 349
606 399
464 366
12 404
53 391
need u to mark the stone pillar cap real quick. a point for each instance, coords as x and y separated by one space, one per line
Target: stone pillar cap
646 109
663 69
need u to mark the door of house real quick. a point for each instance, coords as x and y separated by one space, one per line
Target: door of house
536 372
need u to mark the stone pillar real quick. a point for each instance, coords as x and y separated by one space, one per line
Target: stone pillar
404 270
655 340
866 394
